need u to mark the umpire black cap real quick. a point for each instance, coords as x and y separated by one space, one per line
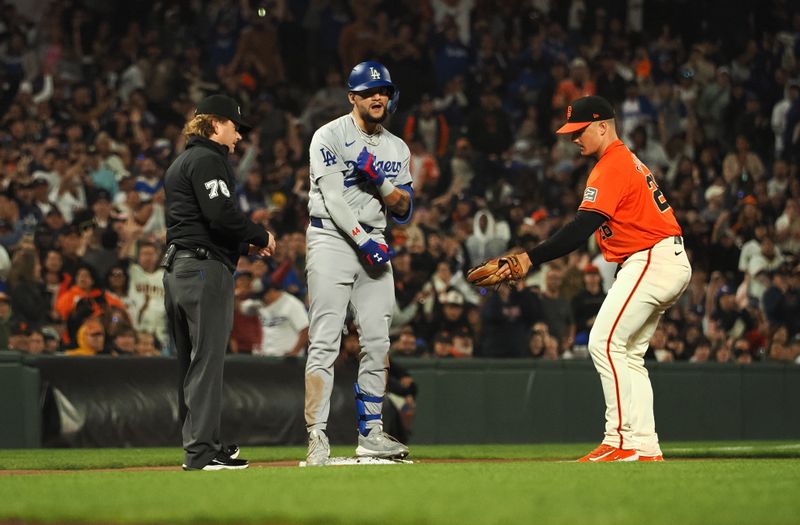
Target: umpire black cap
223 106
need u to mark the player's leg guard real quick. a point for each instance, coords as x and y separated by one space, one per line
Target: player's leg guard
373 441
365 413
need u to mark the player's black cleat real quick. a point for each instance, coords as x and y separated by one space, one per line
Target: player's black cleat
222 462
232 451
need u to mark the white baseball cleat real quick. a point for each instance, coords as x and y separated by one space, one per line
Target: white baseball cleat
379 444
319 449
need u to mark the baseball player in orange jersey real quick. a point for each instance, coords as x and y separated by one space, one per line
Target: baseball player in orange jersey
635 227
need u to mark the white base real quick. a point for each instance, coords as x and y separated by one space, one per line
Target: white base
336 462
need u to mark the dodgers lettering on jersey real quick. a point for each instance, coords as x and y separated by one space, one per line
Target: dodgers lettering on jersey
335 148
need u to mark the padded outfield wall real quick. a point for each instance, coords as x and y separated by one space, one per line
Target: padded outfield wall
105 401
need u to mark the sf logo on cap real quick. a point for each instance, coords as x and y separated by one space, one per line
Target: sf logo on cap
569 111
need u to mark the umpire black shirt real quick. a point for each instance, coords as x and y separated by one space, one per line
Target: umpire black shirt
201 206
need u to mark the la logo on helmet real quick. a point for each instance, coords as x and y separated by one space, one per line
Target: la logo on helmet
374 73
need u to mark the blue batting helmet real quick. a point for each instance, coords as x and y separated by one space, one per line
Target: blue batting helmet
370 74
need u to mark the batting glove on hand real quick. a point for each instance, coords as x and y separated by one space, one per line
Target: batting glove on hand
366 164
375 253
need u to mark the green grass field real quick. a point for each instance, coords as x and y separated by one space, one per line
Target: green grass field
703 483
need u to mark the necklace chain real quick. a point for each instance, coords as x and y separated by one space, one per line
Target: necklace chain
373 139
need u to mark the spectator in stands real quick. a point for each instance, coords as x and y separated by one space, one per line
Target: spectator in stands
464 342
434 290
443 346
731 319
552 348
71 244
27 291
781 301
84 300
36 343
784 117
722 353
702 351
650 152
742 168
748 219
283 318
452 317
251 195
401 392
794 350
536 344
767 260
52 341
636 110
489 237
742 352
658 347
124 342
489 128
713 101
506 318
790 215
360 37
90 339
329 101
246 332
586 303
146 292
117 283
407 345
49 229
146 345
451 57
428 127
578 84
556 310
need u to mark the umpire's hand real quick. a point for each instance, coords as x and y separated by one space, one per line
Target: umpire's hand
266 251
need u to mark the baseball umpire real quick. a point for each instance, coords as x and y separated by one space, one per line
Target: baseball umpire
634 226
206 233
358 170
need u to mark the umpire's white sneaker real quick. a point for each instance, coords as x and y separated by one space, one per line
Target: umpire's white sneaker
379 444
319 449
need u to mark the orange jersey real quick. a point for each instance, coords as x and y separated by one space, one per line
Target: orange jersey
623 189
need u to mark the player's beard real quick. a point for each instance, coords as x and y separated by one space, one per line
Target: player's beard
367 117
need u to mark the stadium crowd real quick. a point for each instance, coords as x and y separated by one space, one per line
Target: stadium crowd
94 97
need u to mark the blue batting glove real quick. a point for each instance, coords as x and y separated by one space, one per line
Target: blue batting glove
375 253
366 164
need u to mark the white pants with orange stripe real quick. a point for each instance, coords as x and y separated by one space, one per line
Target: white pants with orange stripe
648 283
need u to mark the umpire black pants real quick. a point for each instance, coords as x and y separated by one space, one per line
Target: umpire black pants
199 304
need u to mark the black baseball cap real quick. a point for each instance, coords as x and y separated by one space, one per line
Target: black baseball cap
584 111
223 106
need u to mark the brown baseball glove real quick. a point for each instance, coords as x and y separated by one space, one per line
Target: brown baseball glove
487 274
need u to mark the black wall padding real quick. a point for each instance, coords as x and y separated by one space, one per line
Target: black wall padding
120 402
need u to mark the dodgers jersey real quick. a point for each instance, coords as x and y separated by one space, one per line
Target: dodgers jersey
335 147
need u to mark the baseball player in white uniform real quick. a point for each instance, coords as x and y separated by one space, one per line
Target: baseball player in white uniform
359 173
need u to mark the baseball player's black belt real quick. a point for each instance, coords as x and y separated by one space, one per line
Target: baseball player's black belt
327 224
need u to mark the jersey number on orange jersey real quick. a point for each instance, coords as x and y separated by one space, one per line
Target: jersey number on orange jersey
658 195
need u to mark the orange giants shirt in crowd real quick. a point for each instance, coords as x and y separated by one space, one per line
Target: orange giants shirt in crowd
623 189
